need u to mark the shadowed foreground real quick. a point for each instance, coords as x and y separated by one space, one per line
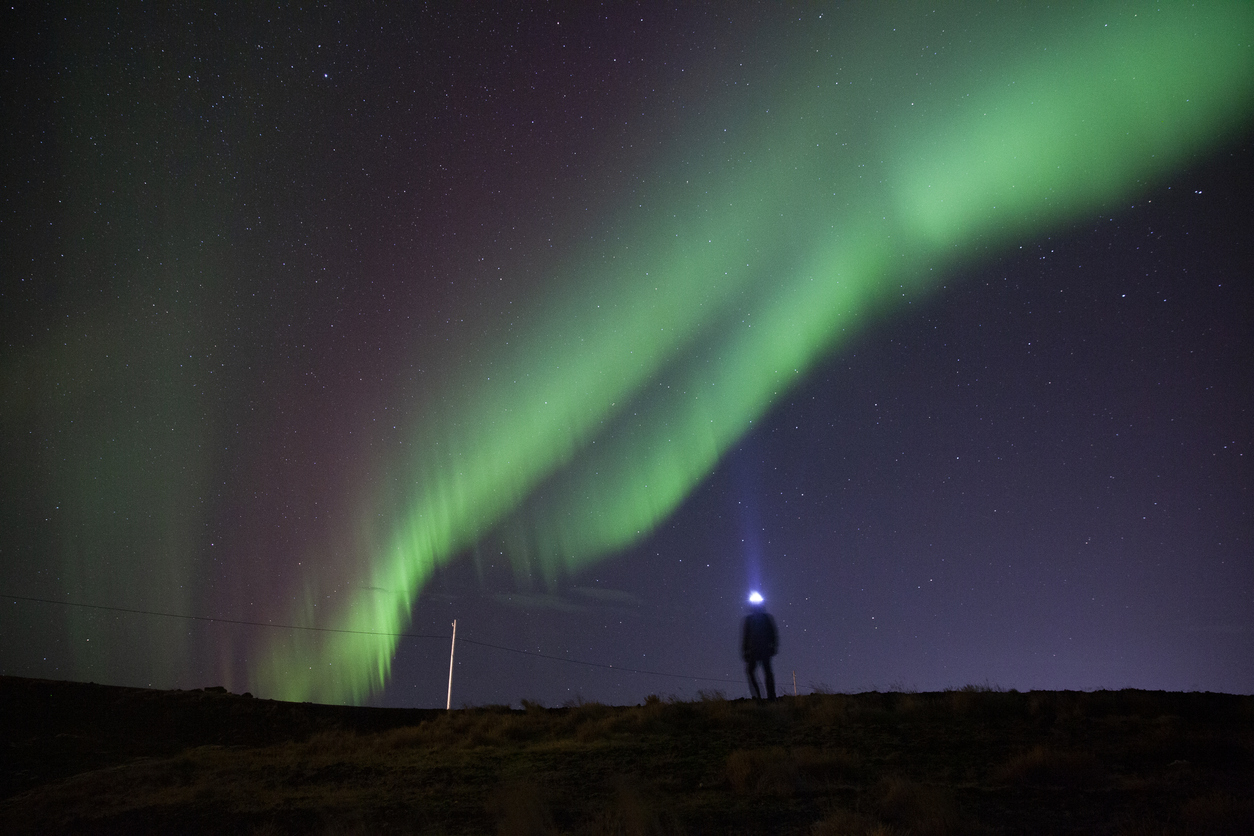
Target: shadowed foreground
96 759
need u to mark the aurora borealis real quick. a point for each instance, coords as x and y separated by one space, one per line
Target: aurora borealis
337 321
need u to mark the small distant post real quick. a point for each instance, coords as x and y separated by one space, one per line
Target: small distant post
453 649
794 683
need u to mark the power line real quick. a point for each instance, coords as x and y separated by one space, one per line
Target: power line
218 620
358 633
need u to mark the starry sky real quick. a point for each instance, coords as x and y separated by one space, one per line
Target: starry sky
326 326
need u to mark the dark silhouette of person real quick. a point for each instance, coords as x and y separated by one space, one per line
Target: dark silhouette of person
759 641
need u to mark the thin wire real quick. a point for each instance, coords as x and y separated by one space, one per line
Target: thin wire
359 633
218 620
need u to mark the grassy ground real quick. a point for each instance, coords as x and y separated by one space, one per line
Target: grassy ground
90 759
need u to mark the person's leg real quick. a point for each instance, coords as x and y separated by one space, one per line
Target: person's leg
770 679
753 679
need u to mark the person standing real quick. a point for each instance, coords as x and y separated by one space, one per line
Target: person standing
759 641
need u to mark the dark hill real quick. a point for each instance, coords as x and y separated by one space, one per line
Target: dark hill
82 758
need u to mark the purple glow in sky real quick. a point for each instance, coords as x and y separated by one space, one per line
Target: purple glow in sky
245 257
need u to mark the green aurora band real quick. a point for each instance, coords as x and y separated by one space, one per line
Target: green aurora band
855 177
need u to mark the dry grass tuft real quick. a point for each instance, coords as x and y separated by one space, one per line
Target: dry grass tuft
783 772
917 808
762 771
827 710
520 809
826 766
986 702
841 822
633 810
336 747
596 729
1214 814
1043 766
1145 826
490 726
268 828
1218 814
920 705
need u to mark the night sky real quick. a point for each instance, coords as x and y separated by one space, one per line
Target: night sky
577 323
